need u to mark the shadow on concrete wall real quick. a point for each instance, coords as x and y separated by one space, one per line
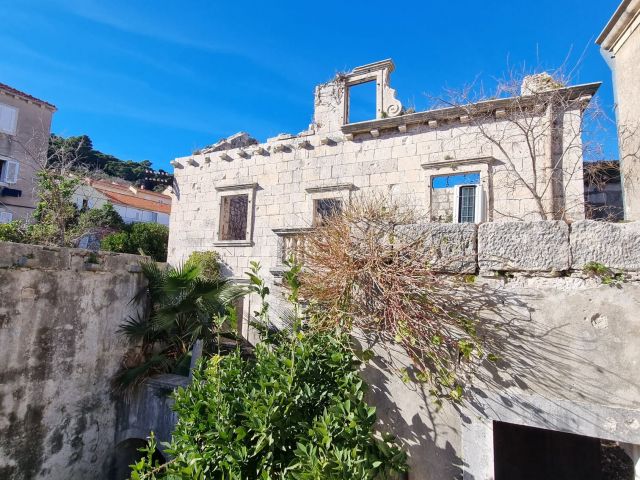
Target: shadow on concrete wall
559 368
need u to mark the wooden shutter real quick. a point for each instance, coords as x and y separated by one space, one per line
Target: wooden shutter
456 204
225 216
480 207
8 119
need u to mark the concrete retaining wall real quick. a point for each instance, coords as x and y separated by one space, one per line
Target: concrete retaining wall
567 342
59 312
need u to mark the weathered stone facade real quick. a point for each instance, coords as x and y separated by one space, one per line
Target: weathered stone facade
566 342
399 154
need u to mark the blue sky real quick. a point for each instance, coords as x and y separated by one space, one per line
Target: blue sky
156 79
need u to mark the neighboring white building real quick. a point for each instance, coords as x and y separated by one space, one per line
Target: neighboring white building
620 46
132 203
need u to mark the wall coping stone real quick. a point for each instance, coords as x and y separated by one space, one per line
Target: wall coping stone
615 245
524 246
21 255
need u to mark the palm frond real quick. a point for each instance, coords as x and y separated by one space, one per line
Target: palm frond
127 379
231 293
156 277
137 328
181 277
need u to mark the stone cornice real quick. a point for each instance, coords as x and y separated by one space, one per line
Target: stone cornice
456 112
331 188
372 67
282 232
236 186
457 163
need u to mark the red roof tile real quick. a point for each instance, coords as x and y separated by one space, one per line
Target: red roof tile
135 202
14 91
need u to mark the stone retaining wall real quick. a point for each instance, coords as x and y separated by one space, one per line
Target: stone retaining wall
545 247
60 310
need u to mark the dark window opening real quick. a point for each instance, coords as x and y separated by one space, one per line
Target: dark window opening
324 209
233 217
528 453
362 102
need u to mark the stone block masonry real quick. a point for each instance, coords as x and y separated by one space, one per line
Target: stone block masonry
60 310
616 245
524 246
410 157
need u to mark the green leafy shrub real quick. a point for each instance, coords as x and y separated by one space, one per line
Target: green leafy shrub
16 231
149 238
104 217
19 231
209 263
295 410
116 242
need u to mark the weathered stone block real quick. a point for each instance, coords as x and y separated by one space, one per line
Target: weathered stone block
616 245
33 256
452 247
524 246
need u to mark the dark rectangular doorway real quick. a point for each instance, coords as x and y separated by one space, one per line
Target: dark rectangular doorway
527 453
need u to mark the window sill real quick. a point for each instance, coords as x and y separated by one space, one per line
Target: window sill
233 243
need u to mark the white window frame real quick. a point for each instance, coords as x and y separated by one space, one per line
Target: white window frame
4 178
479 213
14 121
5 216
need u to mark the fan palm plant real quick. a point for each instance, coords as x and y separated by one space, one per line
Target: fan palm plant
180 306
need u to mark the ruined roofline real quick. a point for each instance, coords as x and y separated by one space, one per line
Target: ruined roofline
455 113
291 142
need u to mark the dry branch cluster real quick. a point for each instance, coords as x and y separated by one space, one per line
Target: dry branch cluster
363 271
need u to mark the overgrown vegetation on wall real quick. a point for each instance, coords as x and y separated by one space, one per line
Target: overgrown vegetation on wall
149 239
365 271
59 222
295 409
180 305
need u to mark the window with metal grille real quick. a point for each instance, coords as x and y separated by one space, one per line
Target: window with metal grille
325 208
233 217
467 204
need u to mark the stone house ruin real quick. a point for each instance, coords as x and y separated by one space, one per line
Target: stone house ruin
254 201
466 163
